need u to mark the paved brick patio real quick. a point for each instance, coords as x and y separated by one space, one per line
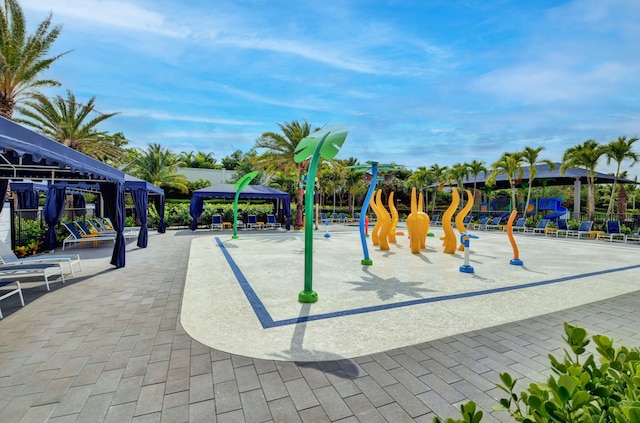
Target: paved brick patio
108 346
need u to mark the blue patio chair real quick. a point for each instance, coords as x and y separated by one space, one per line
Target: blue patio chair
271 222
76 238
584 229
614 233
216 222
8 257
563 228
252 222
540 228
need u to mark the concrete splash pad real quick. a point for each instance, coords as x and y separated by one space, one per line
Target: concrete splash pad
240 295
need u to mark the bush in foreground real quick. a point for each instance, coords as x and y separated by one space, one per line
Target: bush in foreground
578 390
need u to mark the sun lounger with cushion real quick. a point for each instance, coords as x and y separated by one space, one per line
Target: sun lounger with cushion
8 257
76 238
14 288
46 270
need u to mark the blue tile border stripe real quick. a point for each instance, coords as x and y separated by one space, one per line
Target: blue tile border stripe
267 321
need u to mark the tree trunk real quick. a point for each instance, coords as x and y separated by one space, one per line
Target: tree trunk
622 203
591 199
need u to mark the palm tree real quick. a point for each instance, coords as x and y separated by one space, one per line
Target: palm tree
421 179
475 167
530 156
158 166
198 160
585 155
66 121
511 165
354 182
280 149
458 173
23 57
619 150
440 176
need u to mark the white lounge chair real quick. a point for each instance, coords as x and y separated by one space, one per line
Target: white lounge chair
46 270
9 258
14 288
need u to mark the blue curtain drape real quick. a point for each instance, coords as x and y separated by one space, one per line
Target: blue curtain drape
3 191
195 210
53 209
79 205
287 212
140 203
113 194
158 201
27 199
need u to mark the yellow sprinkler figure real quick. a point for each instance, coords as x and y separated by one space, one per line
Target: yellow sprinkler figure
450 241
424 220
380 233
460 217
394 219
417 225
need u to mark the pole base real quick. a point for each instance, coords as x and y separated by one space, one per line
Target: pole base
235 237
516 262
465 268
308 297
366 262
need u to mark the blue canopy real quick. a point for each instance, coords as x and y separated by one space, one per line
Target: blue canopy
250 191
25 154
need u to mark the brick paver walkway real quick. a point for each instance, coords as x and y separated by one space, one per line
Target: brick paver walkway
108 346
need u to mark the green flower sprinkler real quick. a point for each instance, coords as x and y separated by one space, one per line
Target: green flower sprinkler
324 143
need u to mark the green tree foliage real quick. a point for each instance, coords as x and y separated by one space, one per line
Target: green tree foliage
67 121
279 153
585 155
511 165
158 166
23 57
619 150
530 156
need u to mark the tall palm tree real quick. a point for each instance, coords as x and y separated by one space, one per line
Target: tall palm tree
23 57
475 167
511 165
158 166
280 149
458 173
421 178
530 156
585 155
619 150
440 175
67 121
354 182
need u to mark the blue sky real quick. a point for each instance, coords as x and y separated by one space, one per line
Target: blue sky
417 82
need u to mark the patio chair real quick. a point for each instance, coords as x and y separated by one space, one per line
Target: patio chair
494 224
335 217
356 217
76 238
481 224
436 221
98 227
8 257
271 222
216 222
128 232
344 218
12 291
584 229
252 222
323 218
563 228
520 225
614 232
633 237
31 270
539 228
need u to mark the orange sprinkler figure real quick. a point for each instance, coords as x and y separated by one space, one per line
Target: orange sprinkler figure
424 222
450 241
417 225
394 219
516 260
380 233
460 217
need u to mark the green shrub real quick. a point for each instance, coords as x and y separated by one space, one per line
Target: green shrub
579 390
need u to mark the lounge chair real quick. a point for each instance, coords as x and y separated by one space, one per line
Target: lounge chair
343 218
494 224
216 222
252 222
520 225
335 217
271 222
563 228
12 291
435 221
76 238
356 217
46 270
633 237
323 218
97 227
481 224
613 231
540 228
584 229
105 227
9 258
